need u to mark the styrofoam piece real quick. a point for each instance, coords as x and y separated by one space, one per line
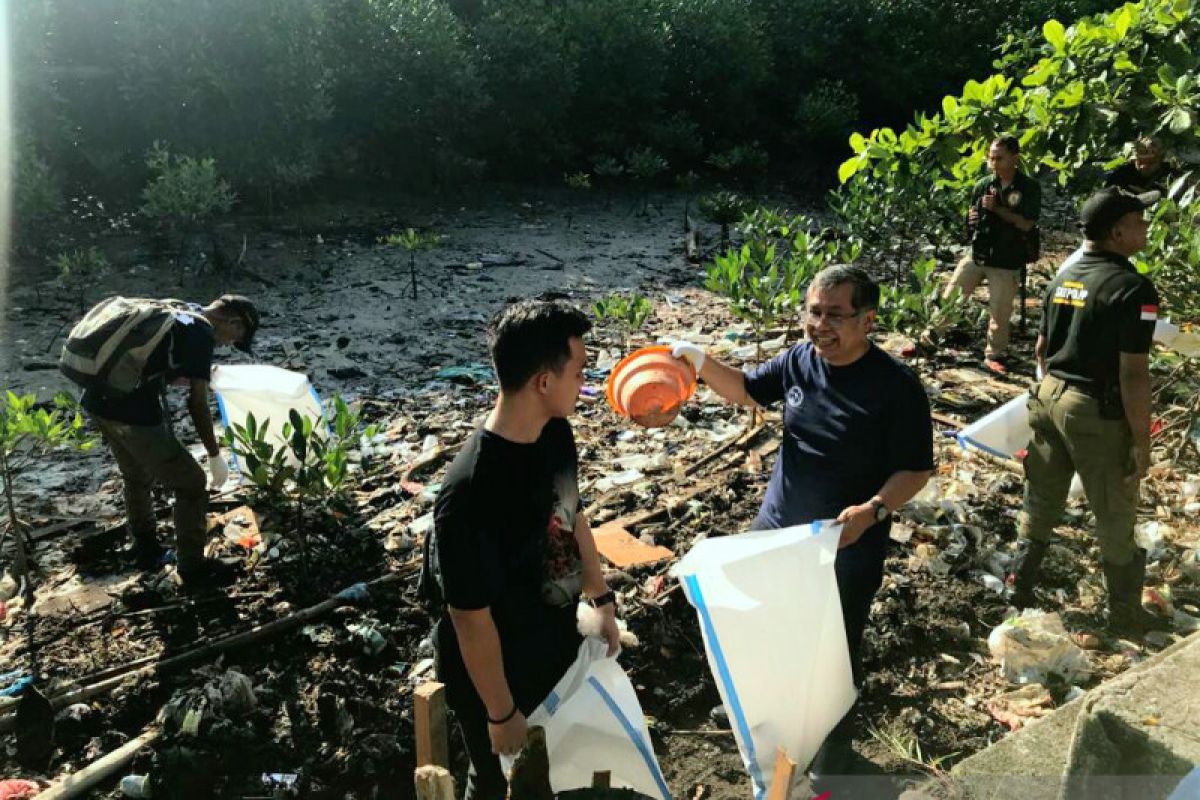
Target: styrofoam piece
593 723
772 624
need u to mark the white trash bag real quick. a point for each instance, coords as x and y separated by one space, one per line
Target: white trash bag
1004 433
1032 646
772 623
594 723
269 393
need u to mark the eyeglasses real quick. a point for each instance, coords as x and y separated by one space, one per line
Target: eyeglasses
810 317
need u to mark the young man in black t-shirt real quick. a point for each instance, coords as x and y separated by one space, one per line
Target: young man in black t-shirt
145 447
511 553
1090 414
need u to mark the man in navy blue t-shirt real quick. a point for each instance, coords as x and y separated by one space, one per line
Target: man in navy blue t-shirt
858 440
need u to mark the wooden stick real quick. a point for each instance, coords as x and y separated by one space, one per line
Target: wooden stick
79 783
781 781
429 715
433 783
530 778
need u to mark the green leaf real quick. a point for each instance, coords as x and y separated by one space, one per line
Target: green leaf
1179 120
1056 35
848 167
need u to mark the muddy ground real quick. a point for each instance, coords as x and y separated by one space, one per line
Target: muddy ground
333 706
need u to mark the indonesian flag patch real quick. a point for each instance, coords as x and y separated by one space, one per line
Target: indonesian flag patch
1149 313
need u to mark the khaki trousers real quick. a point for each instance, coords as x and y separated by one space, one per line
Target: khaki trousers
1069 436
1002 292
150 454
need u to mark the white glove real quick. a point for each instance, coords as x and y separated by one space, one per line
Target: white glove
690 353
218 470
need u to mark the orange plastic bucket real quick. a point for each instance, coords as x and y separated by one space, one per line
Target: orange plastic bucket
650 385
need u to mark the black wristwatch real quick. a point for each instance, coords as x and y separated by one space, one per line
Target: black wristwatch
604 599
881 511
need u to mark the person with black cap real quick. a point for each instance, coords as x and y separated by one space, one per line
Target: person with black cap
1090 413
147 452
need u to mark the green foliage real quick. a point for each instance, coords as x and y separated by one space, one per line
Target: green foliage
915 308
184 191
578 180
644 165
629 311
825 114
281 92
1072 98
530 74
1172 254
413 242
37 195
724 209
741 162
30 431
305 472
719 62
764 280
78 270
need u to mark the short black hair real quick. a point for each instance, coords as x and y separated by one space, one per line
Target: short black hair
1009 142
530 336
864 292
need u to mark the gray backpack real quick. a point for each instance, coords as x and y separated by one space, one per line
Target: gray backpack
108 349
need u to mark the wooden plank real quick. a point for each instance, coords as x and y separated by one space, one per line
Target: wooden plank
433 783
781 781
429 715
622 549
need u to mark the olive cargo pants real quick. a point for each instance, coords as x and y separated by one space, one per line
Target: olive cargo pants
149 454
1070 436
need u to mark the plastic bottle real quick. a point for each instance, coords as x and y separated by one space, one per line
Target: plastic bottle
135 786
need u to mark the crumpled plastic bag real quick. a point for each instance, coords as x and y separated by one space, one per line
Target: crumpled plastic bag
17 789
1033 646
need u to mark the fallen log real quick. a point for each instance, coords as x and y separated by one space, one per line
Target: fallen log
79 783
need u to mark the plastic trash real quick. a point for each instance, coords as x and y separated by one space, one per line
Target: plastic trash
372 640
1189 787
1150 536
269 393
1004 433
649 386
1165 332
135 786
358 593
593 723
17 789
1034 645
772 624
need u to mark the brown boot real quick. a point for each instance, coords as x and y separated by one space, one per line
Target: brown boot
1027 568
1126 617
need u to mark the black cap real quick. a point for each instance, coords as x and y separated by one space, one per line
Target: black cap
1106 207
241 305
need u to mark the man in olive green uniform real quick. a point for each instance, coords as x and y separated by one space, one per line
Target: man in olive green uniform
1004 211
1091 412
